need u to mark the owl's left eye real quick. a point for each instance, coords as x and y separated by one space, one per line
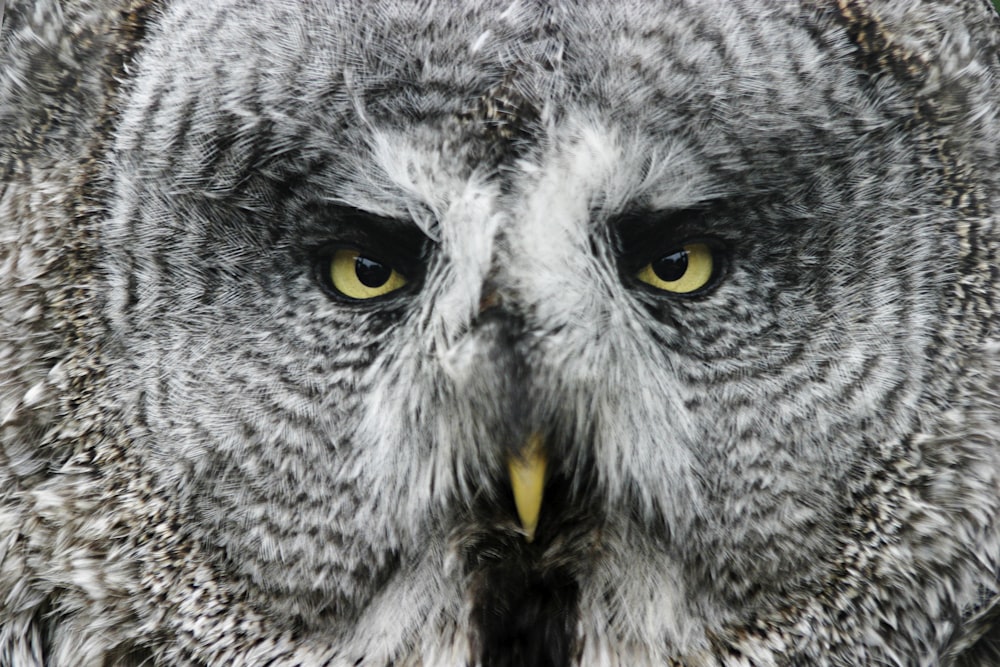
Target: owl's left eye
351 273
687 269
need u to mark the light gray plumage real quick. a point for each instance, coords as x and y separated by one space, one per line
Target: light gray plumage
208 457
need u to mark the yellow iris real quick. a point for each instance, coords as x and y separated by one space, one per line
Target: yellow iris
682 271
361 277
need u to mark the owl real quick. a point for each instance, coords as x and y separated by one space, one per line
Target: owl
488 333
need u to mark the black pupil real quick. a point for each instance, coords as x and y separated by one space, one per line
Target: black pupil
671 267
370 272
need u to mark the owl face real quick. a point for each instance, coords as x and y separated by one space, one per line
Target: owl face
355 275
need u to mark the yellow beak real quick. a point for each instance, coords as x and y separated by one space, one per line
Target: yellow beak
527 479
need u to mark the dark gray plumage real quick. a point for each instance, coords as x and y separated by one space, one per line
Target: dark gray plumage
287 286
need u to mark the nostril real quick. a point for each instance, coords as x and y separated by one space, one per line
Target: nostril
490 301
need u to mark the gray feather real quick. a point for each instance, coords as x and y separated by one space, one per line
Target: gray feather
210 456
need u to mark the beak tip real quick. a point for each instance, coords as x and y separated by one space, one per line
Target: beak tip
527 479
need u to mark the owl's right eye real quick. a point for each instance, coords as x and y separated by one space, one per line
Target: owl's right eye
350 273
